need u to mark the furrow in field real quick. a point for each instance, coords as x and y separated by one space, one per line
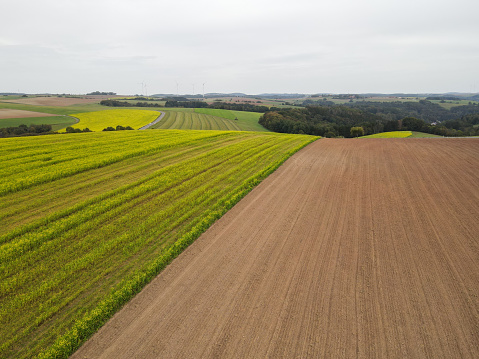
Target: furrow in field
81 187
90 155
168 176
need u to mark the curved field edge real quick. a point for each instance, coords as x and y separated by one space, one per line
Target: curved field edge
392 134
98 120
70 337
57 122
402 134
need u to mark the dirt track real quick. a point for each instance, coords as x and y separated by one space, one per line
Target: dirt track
353 248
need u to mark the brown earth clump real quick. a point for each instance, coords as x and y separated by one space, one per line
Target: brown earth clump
361 248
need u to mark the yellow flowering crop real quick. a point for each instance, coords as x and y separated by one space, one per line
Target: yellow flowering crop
98 120
392 134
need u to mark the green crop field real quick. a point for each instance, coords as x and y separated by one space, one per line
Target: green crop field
98 120
450 104
423 135
54 110
57 122
186 120
246 121
88 219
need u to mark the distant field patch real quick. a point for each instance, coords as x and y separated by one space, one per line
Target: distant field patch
195 121
57 101
450 104
53 110
423 135
246 121
12 113
98 120
57 122
392 134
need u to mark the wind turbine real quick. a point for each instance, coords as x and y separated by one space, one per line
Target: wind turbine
204 89
142 85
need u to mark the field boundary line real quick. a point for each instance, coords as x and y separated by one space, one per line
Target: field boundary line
158 119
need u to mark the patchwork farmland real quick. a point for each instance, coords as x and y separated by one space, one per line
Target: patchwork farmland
95 117
352 249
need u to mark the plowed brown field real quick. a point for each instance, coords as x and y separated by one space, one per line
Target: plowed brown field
364 248
58 101
9 113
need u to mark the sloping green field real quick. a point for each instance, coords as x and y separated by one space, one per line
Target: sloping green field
55 110
88 219
186 120
247 121
57 122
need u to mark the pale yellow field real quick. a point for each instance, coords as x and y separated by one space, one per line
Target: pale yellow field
392 134
98 120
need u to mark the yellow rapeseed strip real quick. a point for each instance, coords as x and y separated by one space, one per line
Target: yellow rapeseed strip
392 134
98 120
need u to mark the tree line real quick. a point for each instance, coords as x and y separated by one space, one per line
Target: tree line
24 130
337 121
191 104
423 109
116 103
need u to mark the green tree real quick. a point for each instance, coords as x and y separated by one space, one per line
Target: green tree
357 131
412 124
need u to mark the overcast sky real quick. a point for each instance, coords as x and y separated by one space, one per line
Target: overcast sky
301 46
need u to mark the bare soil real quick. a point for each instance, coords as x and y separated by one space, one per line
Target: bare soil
8 113
363 248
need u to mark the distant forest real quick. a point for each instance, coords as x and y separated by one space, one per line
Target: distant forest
324 118
101 93
423 109
337 121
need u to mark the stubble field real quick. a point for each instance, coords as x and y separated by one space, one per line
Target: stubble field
352 249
